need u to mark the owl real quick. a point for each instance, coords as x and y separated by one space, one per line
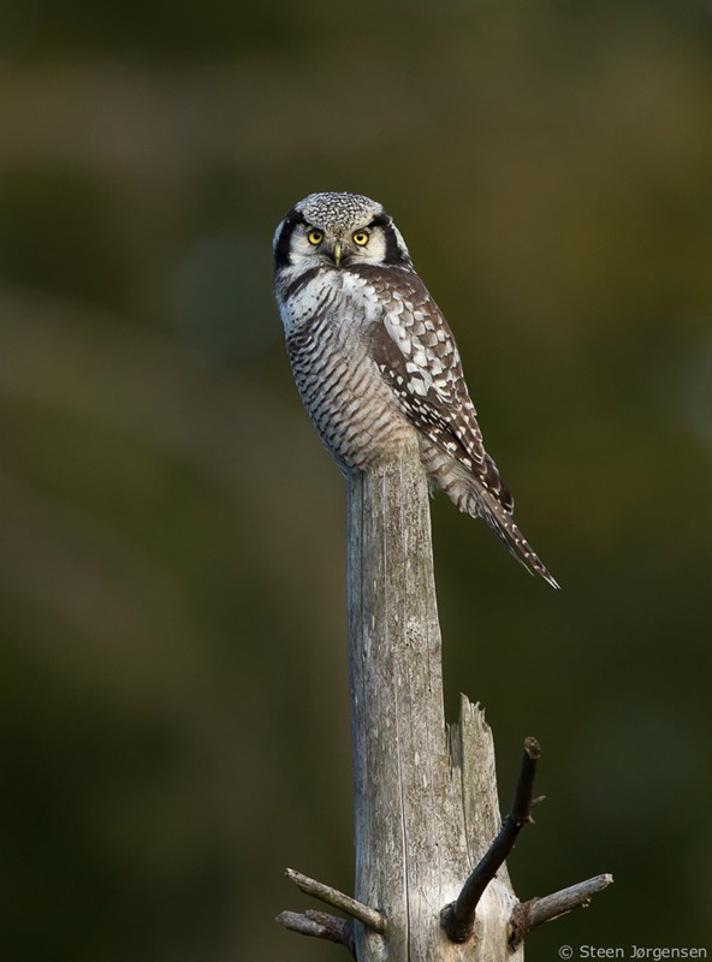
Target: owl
375 361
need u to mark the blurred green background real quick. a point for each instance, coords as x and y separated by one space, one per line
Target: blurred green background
173 678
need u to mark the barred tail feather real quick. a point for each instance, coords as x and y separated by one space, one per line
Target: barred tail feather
502 524
493 502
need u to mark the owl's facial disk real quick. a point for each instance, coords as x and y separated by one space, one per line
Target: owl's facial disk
338 231
364 245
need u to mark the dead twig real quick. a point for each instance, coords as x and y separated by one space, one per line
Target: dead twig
320 925
331 896
458 918
527 915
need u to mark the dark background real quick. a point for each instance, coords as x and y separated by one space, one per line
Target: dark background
173 684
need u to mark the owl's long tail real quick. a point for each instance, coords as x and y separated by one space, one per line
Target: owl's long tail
488 499
486 506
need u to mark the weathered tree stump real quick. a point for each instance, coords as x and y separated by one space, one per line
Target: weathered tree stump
426 805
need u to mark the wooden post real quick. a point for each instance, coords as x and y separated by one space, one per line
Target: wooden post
426 806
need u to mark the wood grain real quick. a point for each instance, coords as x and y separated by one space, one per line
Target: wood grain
426 805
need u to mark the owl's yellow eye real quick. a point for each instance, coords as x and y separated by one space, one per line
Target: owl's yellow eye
360 238
315 236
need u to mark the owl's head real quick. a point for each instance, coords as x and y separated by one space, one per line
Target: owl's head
338 230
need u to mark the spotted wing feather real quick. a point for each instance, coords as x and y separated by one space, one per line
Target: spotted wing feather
417 355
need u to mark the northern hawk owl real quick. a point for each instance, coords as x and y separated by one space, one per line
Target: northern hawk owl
375 360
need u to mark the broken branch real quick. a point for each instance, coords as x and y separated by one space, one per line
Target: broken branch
331 896
320 925
458 918
527 915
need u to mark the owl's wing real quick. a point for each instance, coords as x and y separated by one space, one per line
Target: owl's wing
417 355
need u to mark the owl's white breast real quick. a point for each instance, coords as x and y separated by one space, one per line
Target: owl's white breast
349 300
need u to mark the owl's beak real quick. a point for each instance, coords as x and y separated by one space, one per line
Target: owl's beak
338 251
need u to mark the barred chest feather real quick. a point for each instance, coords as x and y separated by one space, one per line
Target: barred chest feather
329 319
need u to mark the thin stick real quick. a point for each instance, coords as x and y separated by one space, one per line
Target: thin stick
458 918
527 915
325 893
319 925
